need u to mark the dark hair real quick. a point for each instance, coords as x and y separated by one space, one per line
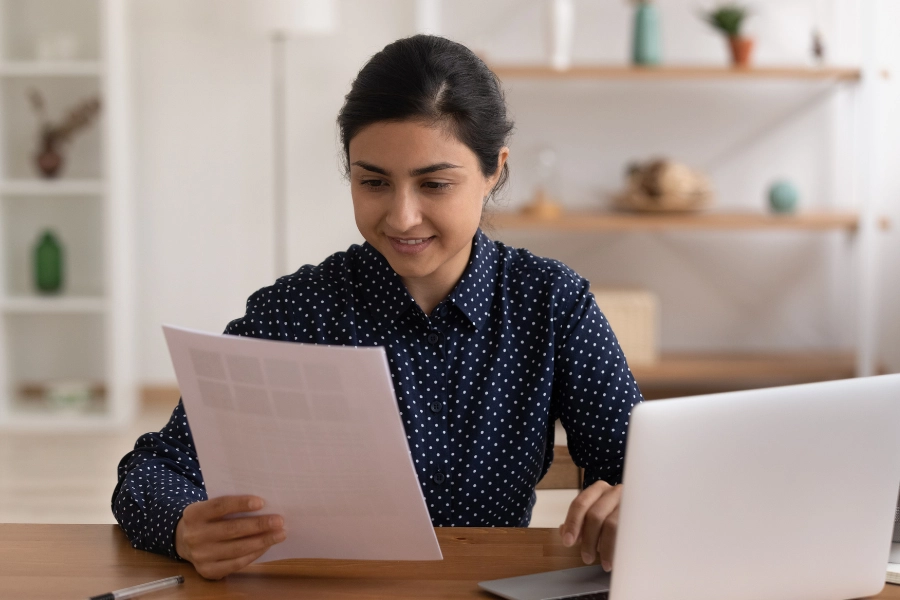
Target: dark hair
439 82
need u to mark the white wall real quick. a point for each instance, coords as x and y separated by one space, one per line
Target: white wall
204 156
201 172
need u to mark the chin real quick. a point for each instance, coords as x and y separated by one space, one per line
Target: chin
405 270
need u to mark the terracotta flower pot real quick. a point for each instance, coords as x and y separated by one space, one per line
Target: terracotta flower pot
741 49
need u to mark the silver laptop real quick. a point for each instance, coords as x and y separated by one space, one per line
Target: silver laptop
783 493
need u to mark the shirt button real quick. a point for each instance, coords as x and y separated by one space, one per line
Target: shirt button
442 310
436 406
438 478
433 338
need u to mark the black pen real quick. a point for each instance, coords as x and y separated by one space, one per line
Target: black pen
139 590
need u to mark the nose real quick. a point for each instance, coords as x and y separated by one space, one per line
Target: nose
404 212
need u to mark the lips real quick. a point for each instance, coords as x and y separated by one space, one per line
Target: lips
410 245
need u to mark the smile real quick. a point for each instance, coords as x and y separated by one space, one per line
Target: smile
410 245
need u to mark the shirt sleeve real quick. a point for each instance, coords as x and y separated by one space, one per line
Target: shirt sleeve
162 476
157 480
593 389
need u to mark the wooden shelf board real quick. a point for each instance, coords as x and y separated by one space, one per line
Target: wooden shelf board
737 371
709 221
676 72
34 68
52 187
32 394
49 305
30 409
46 420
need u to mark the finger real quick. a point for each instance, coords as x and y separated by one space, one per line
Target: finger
593 523
571 528
230 549
232 529
226 505
220 569
607 545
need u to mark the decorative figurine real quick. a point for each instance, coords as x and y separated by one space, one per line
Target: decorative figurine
818 47
53 136
543 205
663 185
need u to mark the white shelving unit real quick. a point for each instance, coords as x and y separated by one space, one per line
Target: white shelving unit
74 68
67 305
84 334
862 222
50 187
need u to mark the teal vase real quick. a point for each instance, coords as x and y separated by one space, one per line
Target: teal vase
646 49
48 264
783 197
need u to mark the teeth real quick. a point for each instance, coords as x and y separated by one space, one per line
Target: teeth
412 242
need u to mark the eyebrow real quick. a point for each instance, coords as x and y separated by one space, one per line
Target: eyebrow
414 173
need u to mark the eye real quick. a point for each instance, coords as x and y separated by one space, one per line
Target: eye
436 185
373 183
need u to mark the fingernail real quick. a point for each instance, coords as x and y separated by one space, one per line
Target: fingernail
568 540
280 537
606 566
276 522
587 558
255 504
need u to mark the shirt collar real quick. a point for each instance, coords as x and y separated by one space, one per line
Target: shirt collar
387 298
474 293
381 288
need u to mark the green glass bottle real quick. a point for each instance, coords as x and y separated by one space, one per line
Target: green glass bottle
48 264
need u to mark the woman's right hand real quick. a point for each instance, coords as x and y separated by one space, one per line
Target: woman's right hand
218 545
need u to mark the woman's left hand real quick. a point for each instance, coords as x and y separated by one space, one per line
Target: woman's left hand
593 519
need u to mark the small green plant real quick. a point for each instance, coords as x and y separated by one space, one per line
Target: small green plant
727 18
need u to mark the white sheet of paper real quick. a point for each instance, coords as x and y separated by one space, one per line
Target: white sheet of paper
315 431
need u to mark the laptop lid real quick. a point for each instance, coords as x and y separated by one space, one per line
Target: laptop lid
779 493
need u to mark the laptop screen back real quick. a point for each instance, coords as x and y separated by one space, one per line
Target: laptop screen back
787 492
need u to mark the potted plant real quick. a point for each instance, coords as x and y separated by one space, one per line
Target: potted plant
728 19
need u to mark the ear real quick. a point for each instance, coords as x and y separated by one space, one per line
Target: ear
502 156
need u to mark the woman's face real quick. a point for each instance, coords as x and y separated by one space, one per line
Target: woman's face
417 197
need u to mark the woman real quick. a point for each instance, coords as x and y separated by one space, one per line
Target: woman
488 345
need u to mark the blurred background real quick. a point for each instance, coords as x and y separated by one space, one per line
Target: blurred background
726 179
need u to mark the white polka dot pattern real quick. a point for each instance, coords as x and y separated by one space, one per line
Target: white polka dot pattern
519 343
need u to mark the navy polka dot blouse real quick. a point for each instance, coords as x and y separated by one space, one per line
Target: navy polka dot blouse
518 344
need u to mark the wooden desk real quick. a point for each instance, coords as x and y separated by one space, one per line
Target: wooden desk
76 561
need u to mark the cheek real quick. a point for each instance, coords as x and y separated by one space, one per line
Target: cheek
462 216
364 213
476 203
361 204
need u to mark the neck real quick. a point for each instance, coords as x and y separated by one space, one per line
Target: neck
428 291
427 296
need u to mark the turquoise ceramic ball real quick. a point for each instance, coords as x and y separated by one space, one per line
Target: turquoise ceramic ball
783 197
